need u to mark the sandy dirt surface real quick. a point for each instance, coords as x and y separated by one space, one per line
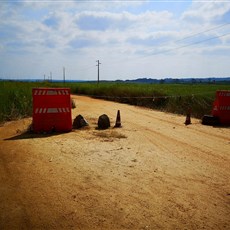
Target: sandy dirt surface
153 173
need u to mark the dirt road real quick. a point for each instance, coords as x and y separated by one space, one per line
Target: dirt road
153 173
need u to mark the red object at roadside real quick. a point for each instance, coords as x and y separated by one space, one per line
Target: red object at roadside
51 110
221 106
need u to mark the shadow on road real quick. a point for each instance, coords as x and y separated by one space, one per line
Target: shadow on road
31 135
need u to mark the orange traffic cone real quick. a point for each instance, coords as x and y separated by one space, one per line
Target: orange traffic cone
118 120
188 118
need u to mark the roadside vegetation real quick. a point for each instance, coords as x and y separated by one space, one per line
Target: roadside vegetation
173 98
16 97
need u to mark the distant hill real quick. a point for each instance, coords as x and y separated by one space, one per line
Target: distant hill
180 80
211 80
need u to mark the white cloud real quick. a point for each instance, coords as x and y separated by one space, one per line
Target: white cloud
103 21
206 12
76 33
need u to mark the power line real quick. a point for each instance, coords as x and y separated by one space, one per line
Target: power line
191 44
183 46
193 35
176 48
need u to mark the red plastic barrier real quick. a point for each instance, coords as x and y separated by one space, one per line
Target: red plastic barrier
221 106
51 110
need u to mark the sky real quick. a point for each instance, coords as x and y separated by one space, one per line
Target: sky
131 39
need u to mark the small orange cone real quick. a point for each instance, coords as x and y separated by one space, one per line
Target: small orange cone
118 120
188 118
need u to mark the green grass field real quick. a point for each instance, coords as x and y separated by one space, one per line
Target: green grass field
16 97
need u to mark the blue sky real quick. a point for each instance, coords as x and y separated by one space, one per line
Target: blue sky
132 39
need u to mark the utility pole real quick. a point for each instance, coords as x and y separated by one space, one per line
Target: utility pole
98 63
64 74
44 77
50 76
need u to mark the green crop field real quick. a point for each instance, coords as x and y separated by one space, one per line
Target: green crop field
16 97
